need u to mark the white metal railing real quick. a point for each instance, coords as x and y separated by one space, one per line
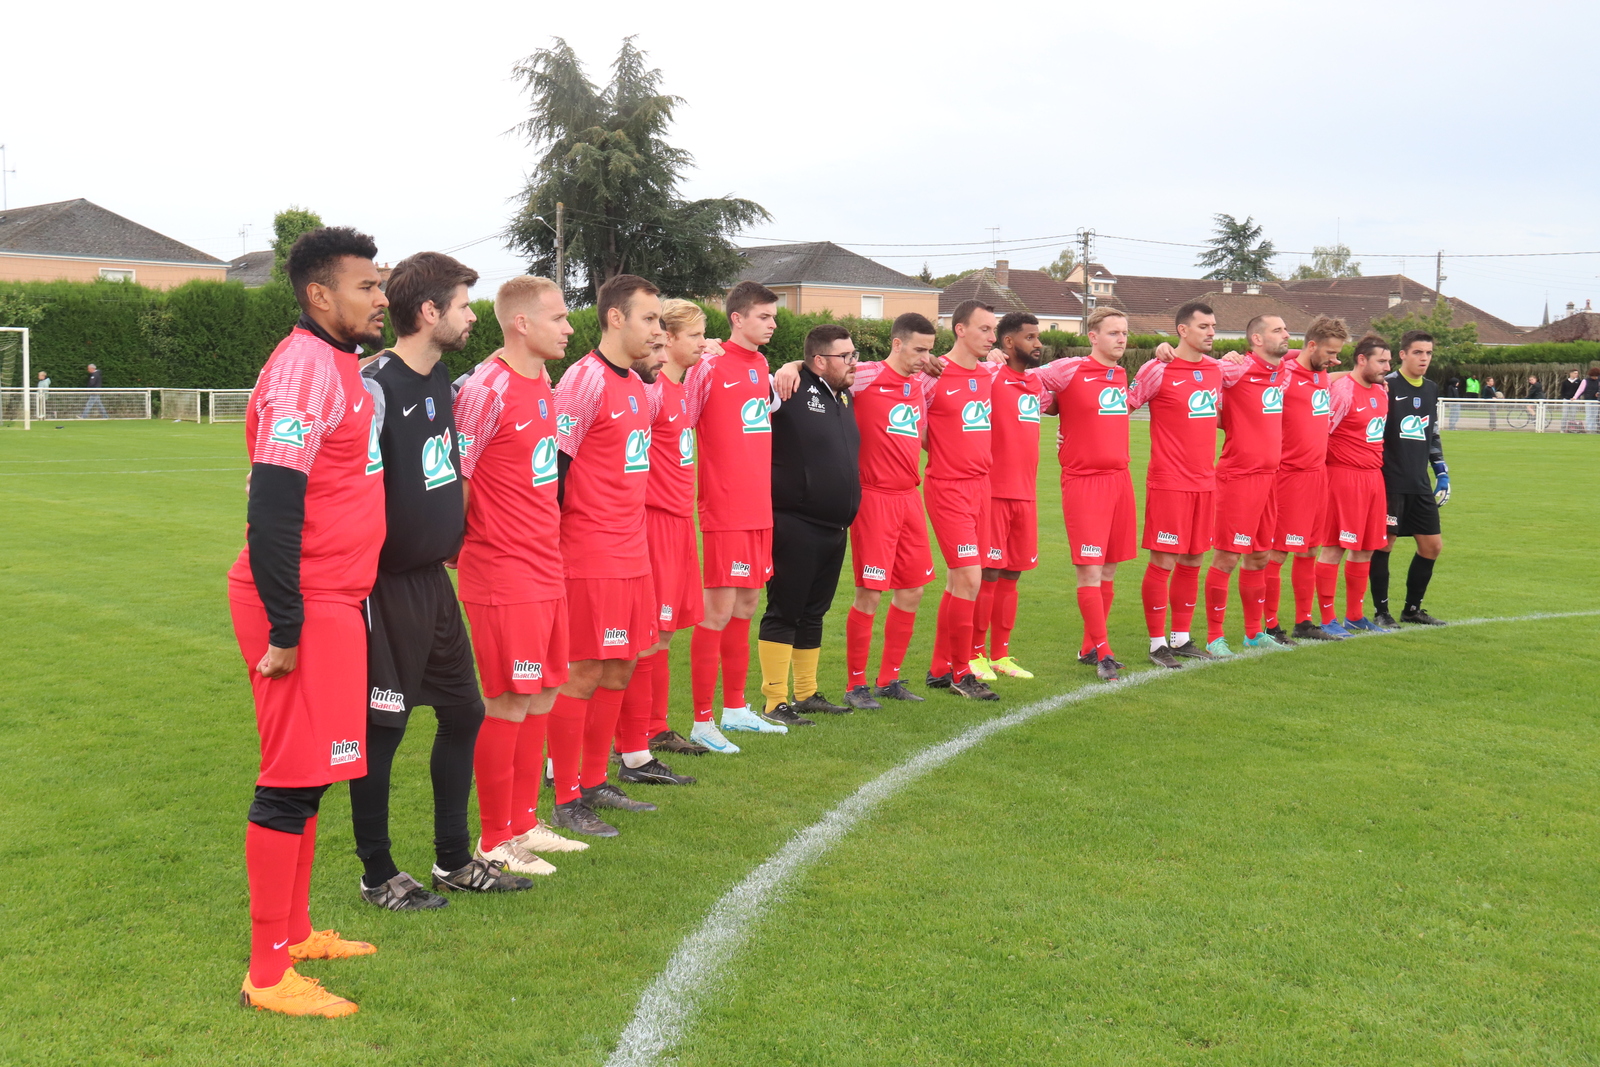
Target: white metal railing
1525 416
63 404
227 405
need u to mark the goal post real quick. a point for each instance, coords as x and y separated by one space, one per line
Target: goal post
229 405
16 373
180 405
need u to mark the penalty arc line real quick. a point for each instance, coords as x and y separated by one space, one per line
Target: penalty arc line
667 1005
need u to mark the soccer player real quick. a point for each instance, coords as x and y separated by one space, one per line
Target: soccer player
603 431
1013 483
1252 423
512 578
1091 396
315 528
957 492
1411 447
730 402
1301 489
1179 510
1356 519
816 492
417 647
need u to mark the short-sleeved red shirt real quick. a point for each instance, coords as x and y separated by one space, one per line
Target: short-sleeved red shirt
892 416
1252 417
960 444
603 423
1182 398
1014 422
1092 400
672 449
1356 424
730 403
1305 417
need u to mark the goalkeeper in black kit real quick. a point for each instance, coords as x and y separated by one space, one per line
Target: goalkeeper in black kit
1411 452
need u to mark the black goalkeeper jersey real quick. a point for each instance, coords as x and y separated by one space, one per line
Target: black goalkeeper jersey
421 459
1411 435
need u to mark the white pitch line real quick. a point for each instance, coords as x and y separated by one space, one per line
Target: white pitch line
70 474
667 1006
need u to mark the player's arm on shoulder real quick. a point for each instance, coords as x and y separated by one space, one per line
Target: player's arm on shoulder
1057 375
1146 383
1339 399
866 374
697 385
1232 371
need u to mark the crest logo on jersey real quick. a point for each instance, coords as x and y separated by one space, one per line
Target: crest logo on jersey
903 420
564 425
1272 400
427 405
1372 401
1414 427
974 416
633 404
1273 377
739 570
546 465
1320 404
526 670
375 451
1316 377
754 414
1416 401
1113 401
437 469
544 412
1375 429
753 379
683 406
685 448
1164 538
1199 377
1202 404
1027 408
614 636
874 574
1111 374
1094 551
637 456
344 752
905 390
972 385
290 431
387 700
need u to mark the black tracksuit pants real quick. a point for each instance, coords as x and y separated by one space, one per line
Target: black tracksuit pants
806 560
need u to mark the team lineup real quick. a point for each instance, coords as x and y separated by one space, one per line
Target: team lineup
668 479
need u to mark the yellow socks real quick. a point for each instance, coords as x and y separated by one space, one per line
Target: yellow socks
775 671
805 672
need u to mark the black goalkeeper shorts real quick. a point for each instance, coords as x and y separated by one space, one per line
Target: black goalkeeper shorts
418 652
1411 514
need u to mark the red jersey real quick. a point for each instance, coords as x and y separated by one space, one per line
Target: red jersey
310 412
1014 420
603 423
959 442
506 433
1356 424
670 485
892 416
1252 416
1092 400
730 402
1182 397
1305 417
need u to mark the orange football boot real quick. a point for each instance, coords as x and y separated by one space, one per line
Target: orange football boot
295 994
328 945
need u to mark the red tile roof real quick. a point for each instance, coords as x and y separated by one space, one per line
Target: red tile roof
1026 290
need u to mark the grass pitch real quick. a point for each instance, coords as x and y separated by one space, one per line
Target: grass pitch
1377 853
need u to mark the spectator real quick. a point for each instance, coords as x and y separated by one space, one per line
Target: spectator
1575 389
1472 388
94 396
42 392
1535 388
1452 391
1570 386
1489 392
1591 392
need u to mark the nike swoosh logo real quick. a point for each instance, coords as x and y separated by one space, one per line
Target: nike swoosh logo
884 389
673 418
930 570
404 413
617 414
280 944
729 385
363 400
951 392
523 425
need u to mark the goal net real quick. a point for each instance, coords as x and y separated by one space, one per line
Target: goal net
229 405
180 405
13 341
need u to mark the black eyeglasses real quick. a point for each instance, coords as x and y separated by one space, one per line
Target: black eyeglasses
848 357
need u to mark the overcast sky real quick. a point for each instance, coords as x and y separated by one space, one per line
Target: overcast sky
1402 128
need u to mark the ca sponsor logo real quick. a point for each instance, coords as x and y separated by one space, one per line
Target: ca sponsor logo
437 469
344 752
975 416
666 613
753 416
874 574
374 450
637 456
526 670
1241 540
545 466
463 442
290 430
1320 404
1347 537
1094 551
614 636
564 425
685 448
1294 540
1113 401
386 700
1272 400
1414 427
1202 404
739 570
1164 538
903 420
963 551
1375 428
1027 408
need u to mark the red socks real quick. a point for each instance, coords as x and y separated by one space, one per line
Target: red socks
1185 595
983 611
1252 597
1153 592
705 652
601 726
1355 588
1274 593
527 774
493 765
1327 588
567 719
1004 619
272 861
940 664
1092 606
633 724
958 639
735 661
857 647
661 691
1303 578
1216 602
299 927
896 639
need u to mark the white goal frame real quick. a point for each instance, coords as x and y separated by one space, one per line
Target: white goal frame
27 375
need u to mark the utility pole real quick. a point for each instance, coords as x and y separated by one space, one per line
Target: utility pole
244 238
1438 273
561 249
5 194
1086 238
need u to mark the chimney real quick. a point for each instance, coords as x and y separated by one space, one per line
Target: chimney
1571 309
1252 289
1395 298
1002 272
1588 305
1227 286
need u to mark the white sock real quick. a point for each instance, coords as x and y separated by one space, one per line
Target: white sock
635 760
549 768
1180 638
737 711
1157 642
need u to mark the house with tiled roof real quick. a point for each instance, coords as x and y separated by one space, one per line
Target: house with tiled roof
821 276
75 240
253 269
1053 303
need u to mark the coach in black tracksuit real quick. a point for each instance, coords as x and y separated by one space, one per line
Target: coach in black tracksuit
816 491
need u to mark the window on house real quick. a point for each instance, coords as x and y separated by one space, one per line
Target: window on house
783 300
872 307
116 274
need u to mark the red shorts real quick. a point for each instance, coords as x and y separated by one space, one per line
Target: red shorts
889 542
1302 500
610 618
1358 510
313 720
1178 522
1100 517
520 648
675 568
959 508
1247 515
1013 535
738 559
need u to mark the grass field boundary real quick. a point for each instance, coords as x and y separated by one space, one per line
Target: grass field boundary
64 474
667 1006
